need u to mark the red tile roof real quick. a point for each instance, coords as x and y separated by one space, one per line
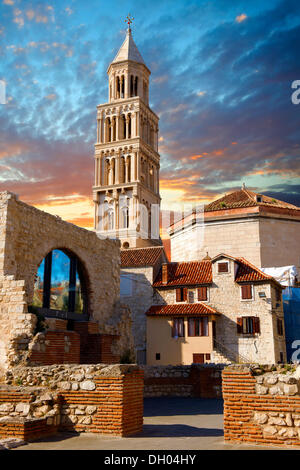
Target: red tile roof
188 273
248 272
193 273
141 256
181 310
242 198
246 198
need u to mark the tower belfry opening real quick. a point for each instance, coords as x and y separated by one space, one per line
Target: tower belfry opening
127 161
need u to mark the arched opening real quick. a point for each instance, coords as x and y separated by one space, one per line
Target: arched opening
125 217
136 86
110 219
122 86
118 88
131 85
61 286
123 127
122 170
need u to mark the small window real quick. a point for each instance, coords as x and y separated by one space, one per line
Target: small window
223 267
202 294
181 294
247 292
281 360
178 328
279 327
198 326
157 356
207 357
278 295
248 325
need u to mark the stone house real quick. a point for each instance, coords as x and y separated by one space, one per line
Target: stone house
215 310
139 268
246 224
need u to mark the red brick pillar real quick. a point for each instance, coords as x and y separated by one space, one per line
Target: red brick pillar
120 401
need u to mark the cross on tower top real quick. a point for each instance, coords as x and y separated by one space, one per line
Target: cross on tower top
129 19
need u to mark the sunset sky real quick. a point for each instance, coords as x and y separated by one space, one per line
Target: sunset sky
221 85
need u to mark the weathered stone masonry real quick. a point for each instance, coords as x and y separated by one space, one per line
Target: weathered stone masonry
97 398
27 235
262 405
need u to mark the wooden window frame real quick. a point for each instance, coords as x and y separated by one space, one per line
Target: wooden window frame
200 291
222 263
198 327
248 325
247 299
181 294
280 330
175 327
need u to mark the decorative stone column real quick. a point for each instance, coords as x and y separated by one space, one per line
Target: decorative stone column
133 167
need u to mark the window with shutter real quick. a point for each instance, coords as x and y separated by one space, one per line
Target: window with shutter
256 325
202 293
181 294
223 267
248 325
246 292
239 323
198 326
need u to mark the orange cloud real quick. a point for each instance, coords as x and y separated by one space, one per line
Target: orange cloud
241 18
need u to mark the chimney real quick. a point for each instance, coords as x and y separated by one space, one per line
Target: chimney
164 271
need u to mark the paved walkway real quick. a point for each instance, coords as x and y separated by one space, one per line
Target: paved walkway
169 423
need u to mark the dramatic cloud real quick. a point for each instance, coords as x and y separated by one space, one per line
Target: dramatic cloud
221 85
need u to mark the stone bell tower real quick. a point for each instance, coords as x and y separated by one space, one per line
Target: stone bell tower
126 189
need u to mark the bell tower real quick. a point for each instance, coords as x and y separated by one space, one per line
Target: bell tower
127 162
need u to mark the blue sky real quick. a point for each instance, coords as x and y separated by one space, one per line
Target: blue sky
220 83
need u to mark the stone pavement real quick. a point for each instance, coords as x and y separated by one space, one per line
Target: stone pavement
169 424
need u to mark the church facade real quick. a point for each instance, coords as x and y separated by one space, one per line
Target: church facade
127 162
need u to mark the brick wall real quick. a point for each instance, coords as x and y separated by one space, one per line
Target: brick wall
84 345
100 399
261 414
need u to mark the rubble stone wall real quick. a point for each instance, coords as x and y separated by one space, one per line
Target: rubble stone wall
262 404
92 398
27 235
204 381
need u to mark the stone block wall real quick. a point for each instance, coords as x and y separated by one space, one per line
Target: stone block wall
97 398
203 381
27 235
262 404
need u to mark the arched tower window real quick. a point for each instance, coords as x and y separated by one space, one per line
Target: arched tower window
118 87
136 86
60 284
122 170
131 85
125 217
110 219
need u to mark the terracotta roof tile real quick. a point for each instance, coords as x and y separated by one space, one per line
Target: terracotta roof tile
246 198
248 272
141 256
188 273
181 309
